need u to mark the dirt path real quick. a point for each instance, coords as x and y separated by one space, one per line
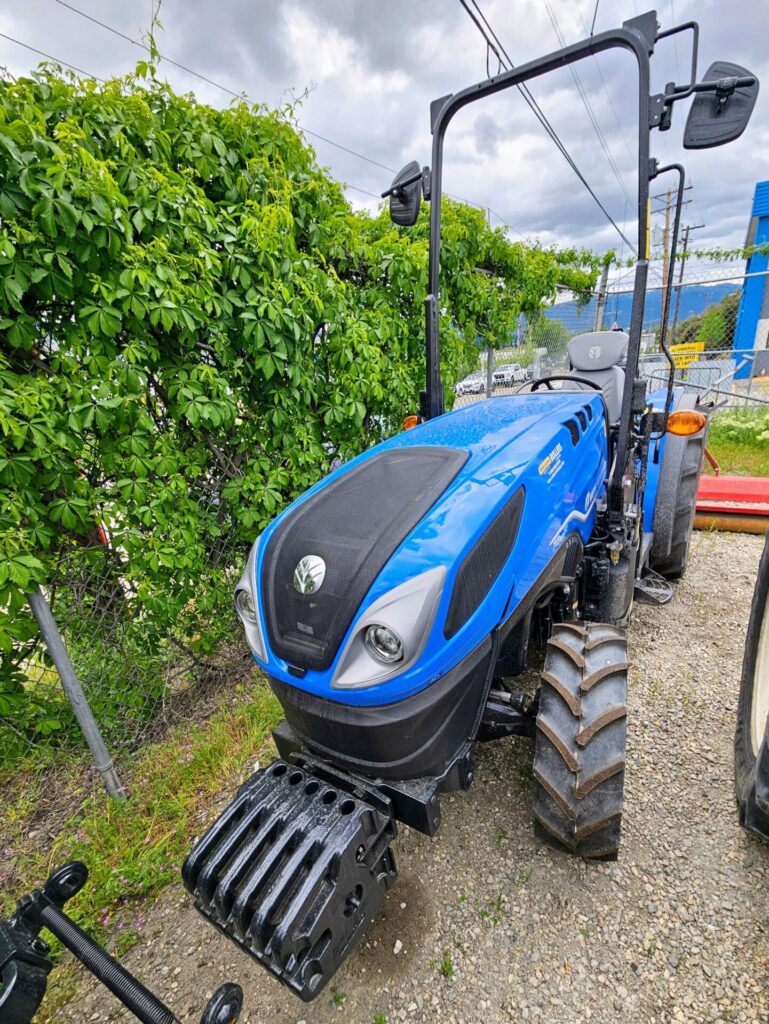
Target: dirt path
496 927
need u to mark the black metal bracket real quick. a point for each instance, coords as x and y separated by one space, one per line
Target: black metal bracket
508 714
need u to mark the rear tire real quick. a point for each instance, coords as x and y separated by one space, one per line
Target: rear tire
579 747
751 761
676 502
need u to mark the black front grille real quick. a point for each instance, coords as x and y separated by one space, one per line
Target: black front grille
483 564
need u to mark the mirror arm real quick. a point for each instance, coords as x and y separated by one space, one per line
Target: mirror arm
662 104
397 188
694 28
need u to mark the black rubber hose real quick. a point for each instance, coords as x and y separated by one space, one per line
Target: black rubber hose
139 1000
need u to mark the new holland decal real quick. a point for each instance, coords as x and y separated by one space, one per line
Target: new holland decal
552 463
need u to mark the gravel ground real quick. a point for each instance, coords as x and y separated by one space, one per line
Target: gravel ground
493 926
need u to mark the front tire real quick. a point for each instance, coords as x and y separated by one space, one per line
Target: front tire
751 757
579 748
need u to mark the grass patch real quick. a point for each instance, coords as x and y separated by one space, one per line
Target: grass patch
739 441
133 848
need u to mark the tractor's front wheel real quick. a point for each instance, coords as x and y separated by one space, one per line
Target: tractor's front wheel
579 748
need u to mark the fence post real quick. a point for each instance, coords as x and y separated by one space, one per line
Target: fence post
489 371
600 302
74 692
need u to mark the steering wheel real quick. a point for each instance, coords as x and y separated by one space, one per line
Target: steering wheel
563 376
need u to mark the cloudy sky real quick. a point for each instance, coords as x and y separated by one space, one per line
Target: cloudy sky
371 69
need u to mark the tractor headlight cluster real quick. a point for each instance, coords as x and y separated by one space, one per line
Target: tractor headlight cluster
390 634
384 644
246 605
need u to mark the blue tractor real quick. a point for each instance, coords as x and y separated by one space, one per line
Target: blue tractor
391 606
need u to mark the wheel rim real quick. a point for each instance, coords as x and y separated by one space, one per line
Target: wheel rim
760 702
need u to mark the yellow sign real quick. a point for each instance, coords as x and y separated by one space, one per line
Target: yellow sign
685 354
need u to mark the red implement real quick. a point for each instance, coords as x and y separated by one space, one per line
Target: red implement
738 503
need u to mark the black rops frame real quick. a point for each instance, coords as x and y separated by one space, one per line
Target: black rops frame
638 35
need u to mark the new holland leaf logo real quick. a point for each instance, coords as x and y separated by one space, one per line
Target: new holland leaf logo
309 574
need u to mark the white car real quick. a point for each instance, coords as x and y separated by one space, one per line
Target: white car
509 373
474 384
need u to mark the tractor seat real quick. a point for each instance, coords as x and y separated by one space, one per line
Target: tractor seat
595 356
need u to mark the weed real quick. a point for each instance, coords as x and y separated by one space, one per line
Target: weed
523 876
337 996
493 912
125 939
502 838
446 968
379 1018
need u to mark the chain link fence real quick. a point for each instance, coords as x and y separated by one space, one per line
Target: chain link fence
717 350
140 669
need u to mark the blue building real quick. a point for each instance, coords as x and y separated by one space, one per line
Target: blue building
753 316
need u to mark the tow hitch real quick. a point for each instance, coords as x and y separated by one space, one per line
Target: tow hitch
295 869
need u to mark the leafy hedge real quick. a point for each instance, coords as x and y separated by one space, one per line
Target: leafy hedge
193 324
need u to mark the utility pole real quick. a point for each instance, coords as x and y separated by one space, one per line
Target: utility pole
668 197
687 229
600 302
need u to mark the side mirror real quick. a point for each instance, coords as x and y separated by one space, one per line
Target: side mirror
722 106
405 195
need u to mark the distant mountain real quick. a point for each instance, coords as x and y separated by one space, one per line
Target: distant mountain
695 298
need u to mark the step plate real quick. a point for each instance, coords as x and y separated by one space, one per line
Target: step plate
295 869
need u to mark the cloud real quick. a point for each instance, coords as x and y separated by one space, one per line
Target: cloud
375 68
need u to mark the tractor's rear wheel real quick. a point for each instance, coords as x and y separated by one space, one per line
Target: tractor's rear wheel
676 499
579 748
751 756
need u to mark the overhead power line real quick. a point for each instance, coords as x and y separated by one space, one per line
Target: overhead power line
49 56
236 95
493 42
586 102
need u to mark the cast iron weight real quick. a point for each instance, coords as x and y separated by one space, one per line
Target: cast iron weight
24 961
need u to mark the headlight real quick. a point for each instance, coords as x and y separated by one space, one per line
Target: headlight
390 634
246 605
384 644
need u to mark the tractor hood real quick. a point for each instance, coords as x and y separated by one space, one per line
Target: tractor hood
424 500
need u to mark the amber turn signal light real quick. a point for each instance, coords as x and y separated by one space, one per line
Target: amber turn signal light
685 422
411 421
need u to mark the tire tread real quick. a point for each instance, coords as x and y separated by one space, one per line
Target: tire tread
579 756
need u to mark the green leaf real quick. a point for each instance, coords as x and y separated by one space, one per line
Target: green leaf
43 211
